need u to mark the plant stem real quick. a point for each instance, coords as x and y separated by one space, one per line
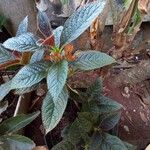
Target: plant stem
18 106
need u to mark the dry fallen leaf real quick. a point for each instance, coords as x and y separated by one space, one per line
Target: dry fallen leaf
93 31
122 38
96 29
143 6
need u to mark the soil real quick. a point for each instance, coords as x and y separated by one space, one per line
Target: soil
134 125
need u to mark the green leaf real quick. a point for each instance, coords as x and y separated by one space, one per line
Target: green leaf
104 104
52 109
5 55
5 89
109 121
127 3
79 129
89 60
23 43
26 90
2 21
80 20
64 2
85 120
136 20
106 141
57 34
16 142
64 145
23 26
37 56
44 24
129 146
56 78
96 88
15 123
64 131
30 75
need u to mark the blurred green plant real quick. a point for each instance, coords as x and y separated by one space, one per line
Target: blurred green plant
9 139
2 21
64 1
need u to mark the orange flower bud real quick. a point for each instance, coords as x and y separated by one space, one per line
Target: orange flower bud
47 57
68 52
68 49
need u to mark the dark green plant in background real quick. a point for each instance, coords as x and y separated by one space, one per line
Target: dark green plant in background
64 1
99 114
9 139
2 22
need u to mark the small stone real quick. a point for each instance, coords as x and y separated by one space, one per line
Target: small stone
148 147
126 93
126 128
126 89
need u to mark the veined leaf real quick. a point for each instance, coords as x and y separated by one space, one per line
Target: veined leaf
85 121
106 141
26 90
81 20
95 89
56 78
109 121
23 26
79 129
23 43
57 34
64 145
44 24
104 104
30 75
5 89
16 142
37 56
52 109
89 60
15 123
5 55
130 146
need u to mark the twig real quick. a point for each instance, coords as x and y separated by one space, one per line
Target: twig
18 106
